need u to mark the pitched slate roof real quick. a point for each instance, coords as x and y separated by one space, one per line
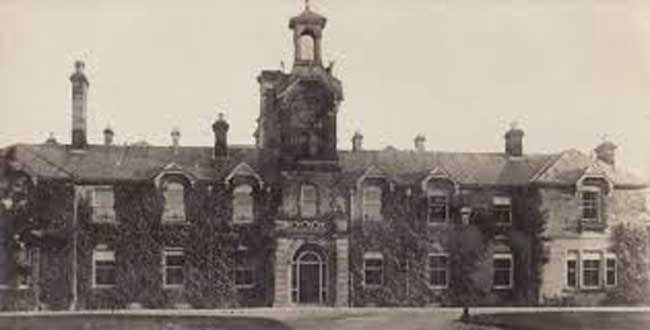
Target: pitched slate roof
571 165
107 163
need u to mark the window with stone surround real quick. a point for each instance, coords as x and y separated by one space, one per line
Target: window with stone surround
174 193
591 270
503 268
243 204
371 203
373 269
590 204
572 269
103 203
438 270
173 267
308 201
502 210
104 268
437 206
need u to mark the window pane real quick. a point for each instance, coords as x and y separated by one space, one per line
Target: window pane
243 204
438 278
174 276
571 273
611 271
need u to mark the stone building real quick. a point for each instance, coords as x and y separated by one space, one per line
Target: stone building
294 220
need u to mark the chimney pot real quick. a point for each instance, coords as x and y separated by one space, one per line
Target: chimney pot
176 138
606 152
357 141
108 136
419 142
220 129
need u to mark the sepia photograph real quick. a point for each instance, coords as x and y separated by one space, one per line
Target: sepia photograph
324 164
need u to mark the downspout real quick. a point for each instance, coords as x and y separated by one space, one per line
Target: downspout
75 221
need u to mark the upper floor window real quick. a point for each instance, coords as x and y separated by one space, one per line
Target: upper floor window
103 204
308 201
502 210
503 271
307 45
104 274
373 269
438 270
438 206
590 204
372 196
173 264
174 194
243 204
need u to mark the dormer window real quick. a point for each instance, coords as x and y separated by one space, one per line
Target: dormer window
103 202
437 206
308 201
372 196
243 204
174 194
590 204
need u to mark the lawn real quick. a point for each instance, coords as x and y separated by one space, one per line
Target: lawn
567 320
122 322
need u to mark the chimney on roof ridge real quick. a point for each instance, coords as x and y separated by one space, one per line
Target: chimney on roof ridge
606 152
109 135
176 138
419 143
79 106
514 141
357 141
220 129
51 140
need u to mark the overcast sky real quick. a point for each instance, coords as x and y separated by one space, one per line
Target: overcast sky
458 71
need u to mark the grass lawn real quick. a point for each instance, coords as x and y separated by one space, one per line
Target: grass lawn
122 322
567 320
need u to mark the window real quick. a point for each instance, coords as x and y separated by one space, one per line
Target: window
173 267
308 201
572 270
438 207
590 205
25 259
438 270
104 275
371 203
610 270
306 42
503 271
174 193
244 271
591 270
502 210
373 269
103 202
243 204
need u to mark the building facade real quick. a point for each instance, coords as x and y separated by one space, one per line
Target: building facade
294 220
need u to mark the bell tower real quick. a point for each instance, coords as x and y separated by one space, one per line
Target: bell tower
307 37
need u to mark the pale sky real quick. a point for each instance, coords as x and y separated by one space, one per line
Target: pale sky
458 71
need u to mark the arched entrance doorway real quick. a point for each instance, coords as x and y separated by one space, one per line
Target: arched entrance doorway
309 277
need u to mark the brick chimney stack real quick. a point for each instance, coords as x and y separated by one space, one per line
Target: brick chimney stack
514 141
220 130
109 136
79 106
176 139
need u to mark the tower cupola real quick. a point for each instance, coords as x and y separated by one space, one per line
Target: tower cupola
307 36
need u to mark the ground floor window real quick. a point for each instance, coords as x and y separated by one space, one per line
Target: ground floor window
373 269
610 270
104 274
591 270
173 263
572 270
244 273
503 271
438 270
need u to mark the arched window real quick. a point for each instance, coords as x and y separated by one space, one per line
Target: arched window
174 194
371 203
306 43
308 201
243 204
